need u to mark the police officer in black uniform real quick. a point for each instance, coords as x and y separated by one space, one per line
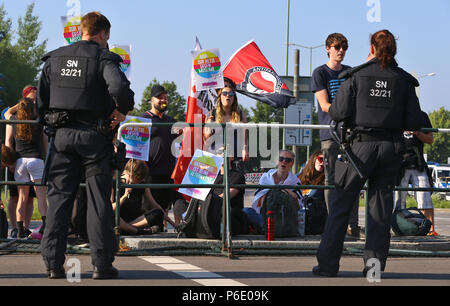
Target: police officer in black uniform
377 101
84 95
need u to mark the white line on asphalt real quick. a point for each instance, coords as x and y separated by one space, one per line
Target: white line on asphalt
191 272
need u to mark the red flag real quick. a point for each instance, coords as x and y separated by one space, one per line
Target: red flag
198 107
255 77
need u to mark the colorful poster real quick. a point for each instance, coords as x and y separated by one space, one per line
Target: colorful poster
203 169
71 28
136 138
207 68
124 51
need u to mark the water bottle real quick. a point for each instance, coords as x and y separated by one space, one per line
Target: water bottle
270 233
301 222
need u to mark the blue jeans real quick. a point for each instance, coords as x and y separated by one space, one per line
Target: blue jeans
253 217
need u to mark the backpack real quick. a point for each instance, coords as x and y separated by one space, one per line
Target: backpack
410 222
316 215
3 224
203 218
285 211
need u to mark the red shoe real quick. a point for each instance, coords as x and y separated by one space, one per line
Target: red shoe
433 233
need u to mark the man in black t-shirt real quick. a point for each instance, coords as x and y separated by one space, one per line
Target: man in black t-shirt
325 83
161 161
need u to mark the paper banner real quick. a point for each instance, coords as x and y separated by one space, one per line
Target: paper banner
124 51
71 29
207 68
136 138
203 169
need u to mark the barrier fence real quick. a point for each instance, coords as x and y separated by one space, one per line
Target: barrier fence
226 240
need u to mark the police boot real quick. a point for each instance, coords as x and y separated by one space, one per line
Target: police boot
56 273
105 273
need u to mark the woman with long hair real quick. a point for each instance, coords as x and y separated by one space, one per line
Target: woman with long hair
228 110
313 174
30 164
378 100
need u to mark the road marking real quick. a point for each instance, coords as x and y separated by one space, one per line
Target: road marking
188 271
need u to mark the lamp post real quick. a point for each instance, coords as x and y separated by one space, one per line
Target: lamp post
310 53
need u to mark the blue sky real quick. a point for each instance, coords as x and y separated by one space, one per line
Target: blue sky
162 34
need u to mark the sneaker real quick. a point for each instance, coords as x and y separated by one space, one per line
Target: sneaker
36 234
433 233
105 273
14 233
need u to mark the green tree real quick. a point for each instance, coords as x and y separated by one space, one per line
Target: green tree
20 53
177 103
439 150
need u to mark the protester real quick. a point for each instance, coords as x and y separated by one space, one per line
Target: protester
313 174
239 223
161 161
281 175
28 141
325 83
29 91
133 218
415 170
83 109
228 110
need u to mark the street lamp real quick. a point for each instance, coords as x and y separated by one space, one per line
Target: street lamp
310 53
426 75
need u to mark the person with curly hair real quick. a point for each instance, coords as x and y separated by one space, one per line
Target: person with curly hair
313 174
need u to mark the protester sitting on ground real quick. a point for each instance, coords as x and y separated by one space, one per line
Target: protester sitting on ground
28 139
313 174
239 224
228 110
281 175
133 218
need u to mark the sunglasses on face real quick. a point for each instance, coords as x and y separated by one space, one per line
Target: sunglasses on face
338 47
320 159
228 93
286 159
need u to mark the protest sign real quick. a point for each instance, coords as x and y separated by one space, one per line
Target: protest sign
207 68
136 138
71 29
124 51
203 169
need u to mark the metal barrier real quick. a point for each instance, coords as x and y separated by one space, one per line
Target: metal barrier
226 241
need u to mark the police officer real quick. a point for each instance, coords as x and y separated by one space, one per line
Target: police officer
86 95
378 101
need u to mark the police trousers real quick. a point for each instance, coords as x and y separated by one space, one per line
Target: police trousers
80 151
379 163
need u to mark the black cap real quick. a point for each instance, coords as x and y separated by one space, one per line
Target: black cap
157 90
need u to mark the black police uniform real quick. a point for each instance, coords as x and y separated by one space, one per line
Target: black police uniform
379 104
85 80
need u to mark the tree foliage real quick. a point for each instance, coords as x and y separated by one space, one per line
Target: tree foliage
20 53
439 150
177 103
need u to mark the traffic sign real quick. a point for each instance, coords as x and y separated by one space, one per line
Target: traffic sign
299 113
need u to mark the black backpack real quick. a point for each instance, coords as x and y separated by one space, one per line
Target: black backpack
285 211
203 218
410 222
3 224
316 215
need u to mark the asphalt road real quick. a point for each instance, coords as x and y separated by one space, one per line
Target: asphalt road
29 270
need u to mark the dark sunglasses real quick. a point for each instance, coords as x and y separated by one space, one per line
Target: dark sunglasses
229 93
338 47
286 159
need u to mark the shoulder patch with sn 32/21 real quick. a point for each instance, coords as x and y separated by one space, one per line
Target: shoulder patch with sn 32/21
71 72
379 91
